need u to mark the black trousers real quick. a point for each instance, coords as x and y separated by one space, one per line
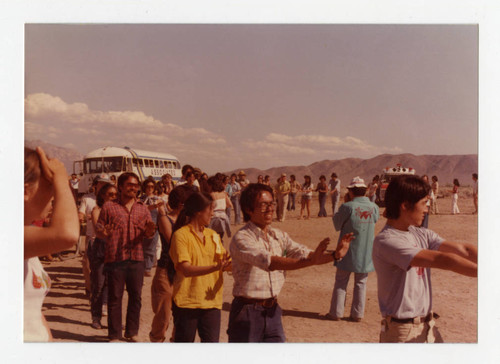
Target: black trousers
188 320
129 274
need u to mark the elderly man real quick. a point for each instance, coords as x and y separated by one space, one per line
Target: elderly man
403 254
260 256
282 191
358 216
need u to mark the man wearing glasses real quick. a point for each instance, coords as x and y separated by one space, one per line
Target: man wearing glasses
124 224
260 256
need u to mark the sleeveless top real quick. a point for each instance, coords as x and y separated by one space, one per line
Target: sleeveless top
36 287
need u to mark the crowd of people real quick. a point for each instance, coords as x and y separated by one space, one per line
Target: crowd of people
130 224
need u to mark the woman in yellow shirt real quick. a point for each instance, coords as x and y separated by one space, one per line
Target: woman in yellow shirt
199 258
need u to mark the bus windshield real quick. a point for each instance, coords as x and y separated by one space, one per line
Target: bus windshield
106 165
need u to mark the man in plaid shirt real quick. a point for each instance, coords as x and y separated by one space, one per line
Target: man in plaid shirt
124 224
260 256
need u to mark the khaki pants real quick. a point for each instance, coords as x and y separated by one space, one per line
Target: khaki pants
161 300
281 208
395 332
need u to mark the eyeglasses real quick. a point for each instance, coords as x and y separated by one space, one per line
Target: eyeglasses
264 206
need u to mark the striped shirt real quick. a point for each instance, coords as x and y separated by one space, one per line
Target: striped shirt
251 256
125 241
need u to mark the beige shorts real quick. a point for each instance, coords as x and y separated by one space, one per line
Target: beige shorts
423 332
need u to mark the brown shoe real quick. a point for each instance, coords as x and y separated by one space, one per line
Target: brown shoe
133 338
148 273
355 319
330 317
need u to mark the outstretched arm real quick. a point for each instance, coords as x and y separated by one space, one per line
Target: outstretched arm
467 251
445 260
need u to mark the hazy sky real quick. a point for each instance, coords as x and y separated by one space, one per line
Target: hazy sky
228 96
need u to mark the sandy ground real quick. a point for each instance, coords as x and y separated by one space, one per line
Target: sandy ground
305 296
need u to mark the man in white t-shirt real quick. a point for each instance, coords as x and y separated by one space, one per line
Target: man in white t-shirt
403 254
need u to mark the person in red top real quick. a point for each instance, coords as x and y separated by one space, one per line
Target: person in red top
124 224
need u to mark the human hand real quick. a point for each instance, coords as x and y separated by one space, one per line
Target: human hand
52 169
317 255
343 245
149 228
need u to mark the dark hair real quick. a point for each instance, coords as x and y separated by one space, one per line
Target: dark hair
409 189
305 183
250 195
334 175
32 169
474 175
455 182
196 202
358 191
178 196
148 181
322 177
292 176
101 195
124 177
234 175
376 178
216 184
434 178
189 174
186 167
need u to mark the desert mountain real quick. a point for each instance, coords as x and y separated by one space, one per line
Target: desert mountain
445 167
65 155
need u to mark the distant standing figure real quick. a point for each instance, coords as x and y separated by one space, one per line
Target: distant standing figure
73 182
334 187
425 221
435 190
294 188
282 191
358 216
267 181
235 198
306 198
243 180
113 179
454 198
322 190
372 188
474 191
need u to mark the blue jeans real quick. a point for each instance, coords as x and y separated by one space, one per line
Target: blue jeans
188 320
322 203
237 209
291 202
149 249
254 323
99 286
339 293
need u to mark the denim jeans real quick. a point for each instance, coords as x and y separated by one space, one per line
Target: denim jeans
99 291
189 320
149 249
254 323
237 209
291 202
339 293
129 274
322 203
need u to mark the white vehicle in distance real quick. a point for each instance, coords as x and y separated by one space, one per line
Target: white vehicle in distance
114 161
389 173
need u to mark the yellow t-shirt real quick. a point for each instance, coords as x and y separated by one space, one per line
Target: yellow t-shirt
202 291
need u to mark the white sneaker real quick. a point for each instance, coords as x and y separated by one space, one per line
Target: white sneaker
105 310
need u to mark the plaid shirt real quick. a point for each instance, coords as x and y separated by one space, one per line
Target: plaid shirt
251 256
125 241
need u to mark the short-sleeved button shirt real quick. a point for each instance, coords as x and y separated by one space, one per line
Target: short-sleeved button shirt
126 239
203 291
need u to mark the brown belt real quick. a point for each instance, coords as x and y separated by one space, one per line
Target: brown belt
415 320
264 302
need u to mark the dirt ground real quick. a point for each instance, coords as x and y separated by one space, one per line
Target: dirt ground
306 293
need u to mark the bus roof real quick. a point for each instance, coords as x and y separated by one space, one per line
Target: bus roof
127 152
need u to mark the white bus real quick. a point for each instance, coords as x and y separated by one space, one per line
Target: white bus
114 161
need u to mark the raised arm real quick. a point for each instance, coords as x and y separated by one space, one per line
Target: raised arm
64 229
467 251
444 260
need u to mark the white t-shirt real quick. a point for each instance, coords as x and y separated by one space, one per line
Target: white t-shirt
403 291
36 287
86 206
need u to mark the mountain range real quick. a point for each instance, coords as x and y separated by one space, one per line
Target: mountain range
445 167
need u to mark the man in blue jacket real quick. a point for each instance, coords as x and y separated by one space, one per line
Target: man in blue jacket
357 216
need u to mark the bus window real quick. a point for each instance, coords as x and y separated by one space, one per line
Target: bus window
157 164
161 164
106 165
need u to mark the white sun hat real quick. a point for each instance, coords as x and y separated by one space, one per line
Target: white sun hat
357 182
